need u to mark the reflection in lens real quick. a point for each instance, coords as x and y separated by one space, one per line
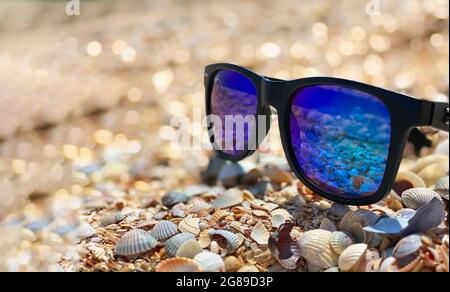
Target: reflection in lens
340 137
234 100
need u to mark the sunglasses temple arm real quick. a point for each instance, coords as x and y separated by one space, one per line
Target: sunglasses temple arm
440 118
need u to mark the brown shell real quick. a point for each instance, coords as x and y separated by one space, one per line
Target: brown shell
178 265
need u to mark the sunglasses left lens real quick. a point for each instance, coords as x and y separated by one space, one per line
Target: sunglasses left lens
340 137
233 106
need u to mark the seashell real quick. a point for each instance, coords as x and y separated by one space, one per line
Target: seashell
367 217
173 244
338 210
232 264
189 249
98 252
230 198
277 174
326 224
332 270
218 215
163 230
277 220
232 172
361 216
248 269
260 234
442 147
190 225
393 201
210 262
284 248
442 187
375 240
405 213
433 172
407 180
357 231
287 216
352 257
316 249
212 171
178 211
261 189
85 230
204 239
388 265
340 241
423 162
178 265
174 197
147 224
418 197
226 239
407 251
264 258
111 218
134 243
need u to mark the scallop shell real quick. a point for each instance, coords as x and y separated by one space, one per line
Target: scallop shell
352 257
111 218
230 198
173 197
190 225
361 216
178 265
189 249
210 262
277 220
163 230
260 234
232 264
218 215
339 241
407 180
134 243
282 212
173 244
204 239
442 187
232 242
418 197
326 224
357 231
316 249
248 269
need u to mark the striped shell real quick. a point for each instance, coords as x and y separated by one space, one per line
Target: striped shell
190 225
163 230
361 216
442 187
316 249
339 241
407 251
417 197
232 241
173 244
260 234
111 218
352 257
178 265
134 243
230 198
189 249
210 262
146 224
338 210
218 215
326 224
173 197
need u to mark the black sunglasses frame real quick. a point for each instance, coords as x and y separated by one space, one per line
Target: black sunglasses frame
406 113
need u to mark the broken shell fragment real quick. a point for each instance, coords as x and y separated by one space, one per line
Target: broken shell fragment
111 218
338 211
230 198
178 265
134 243
326 224
210 262
260 234
174 197
163 230
189 249
232 264
190 225
226 239
352 257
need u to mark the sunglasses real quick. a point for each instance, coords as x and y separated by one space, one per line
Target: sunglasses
343 139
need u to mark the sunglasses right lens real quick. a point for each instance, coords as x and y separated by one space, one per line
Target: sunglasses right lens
340 137
234 105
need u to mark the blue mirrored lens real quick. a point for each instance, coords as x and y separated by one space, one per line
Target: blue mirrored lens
340 137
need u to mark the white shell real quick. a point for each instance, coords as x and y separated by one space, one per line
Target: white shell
190 225
163 230
189 249
316 249
339 241
260 234
230 198
210 262
352 256
135 242
173 244
277 220
417 197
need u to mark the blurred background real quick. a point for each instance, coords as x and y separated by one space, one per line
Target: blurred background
86 100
